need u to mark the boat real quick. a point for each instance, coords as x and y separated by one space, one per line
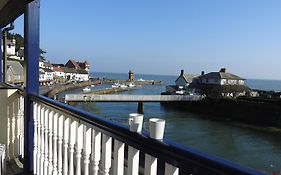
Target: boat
118 85
87 89
131 85
115 85
92 85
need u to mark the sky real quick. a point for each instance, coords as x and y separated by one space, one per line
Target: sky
165 36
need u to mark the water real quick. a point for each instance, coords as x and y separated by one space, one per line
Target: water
247 145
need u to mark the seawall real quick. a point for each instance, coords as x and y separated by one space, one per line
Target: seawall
251 112
62 88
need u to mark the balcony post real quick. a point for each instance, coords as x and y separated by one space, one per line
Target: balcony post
31 55
1 56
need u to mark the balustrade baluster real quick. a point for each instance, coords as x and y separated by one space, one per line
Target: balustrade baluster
22 125
171 170
13 129
46 135
65 145
35 115
72 141
96 151
78 148
87 132
118 160
55 139
16 109
106 154
38 137
150 167
18 127
50 168
42 119
60 135
133 161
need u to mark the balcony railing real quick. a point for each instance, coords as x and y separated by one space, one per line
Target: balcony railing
68 140
71 141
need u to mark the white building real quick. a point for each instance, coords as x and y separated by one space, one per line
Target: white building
58 72
183 80
82 75
221 78
46 76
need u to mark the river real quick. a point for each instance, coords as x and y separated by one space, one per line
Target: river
251 146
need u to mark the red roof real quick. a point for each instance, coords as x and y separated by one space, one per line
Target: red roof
57 69
74 63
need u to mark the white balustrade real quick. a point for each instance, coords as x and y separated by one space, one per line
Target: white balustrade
60 137
72 141
50 167
133 161
55 142
46 135
118 159
38 137
150 167
11 123
96 151
65 145
42 149
78 148
87 135
171 170
35 113
106 154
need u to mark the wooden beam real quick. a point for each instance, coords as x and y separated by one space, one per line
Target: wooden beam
11 10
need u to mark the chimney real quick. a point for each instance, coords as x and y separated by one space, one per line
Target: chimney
223 70
182 72
202 72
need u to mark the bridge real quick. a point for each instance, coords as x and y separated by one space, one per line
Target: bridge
130 98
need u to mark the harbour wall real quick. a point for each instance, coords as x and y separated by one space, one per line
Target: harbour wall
259 113
62 88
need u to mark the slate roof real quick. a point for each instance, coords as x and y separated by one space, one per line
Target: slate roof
46 70
187 77
222 75
16 67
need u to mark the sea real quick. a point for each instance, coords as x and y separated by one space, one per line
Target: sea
255 147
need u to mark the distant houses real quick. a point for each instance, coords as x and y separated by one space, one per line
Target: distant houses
48 73
71 71
221 84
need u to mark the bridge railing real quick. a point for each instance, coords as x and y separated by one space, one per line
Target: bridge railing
68 140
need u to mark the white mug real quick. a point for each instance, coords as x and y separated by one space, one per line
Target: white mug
156 128
135 122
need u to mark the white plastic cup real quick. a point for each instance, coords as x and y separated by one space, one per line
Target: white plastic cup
135 122
156 128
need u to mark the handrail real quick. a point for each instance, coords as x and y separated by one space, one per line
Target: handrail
178 155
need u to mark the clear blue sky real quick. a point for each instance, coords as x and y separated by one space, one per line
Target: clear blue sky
164 36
